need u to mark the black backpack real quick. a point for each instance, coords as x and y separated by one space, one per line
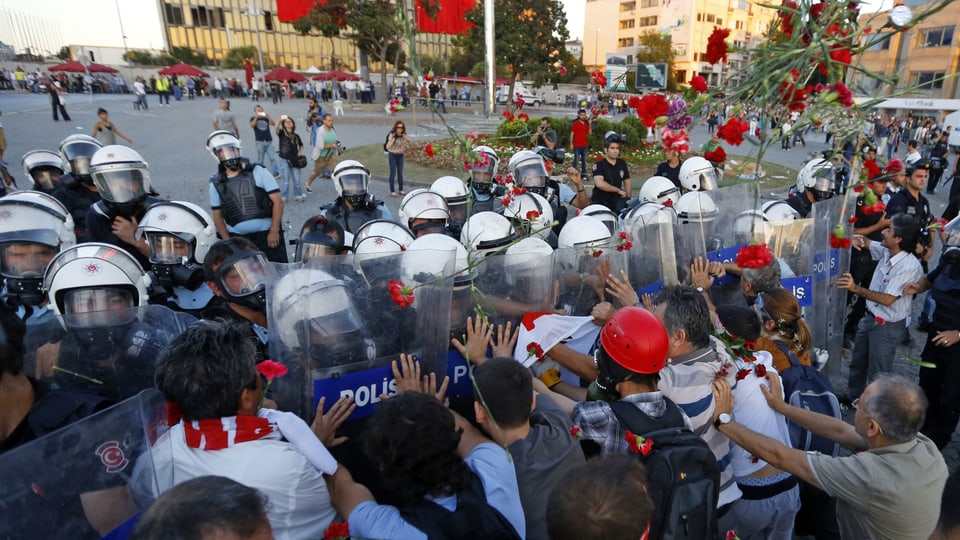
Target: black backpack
683 477
385 140
807 388
473 518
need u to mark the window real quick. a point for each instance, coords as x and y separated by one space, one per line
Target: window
628 6
200 16
699 17
937 37
739 25
267 21
625 42
929 80
883 44
681 75
174 14
649 3
648 21
710 17
743 5
217 20
719 21
628 24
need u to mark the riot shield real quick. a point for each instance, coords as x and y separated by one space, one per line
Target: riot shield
826 316
578 271
337 323
92 460
652 259
111 353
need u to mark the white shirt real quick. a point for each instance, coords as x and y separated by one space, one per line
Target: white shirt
298 502
751 410
139 89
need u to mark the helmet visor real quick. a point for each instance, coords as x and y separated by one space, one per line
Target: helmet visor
310 250
78 154
122 184
334 324
226 152
823 179
708 179
168 249
25 259
46 178
80 166
353 184
98 307
531 174
245 275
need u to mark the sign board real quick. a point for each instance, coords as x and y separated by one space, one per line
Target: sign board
651 76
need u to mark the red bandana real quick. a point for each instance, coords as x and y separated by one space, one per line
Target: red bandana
221 433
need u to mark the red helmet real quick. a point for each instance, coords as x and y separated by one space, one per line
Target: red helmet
635 339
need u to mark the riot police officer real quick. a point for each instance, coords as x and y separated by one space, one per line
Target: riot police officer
179 234
816 181
484 193
245 198
43 170
77 190
354 205
122 178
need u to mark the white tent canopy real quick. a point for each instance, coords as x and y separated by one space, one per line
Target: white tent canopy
312 69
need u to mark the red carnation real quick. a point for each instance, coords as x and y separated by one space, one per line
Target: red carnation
271 370
879 320
633 102
599 79
717 45
401 294
650 107
575 432
637 444
337 531
858 188
534 349
843 94
532 215
733 131
523 116
852 220
742 374
699 84
839 241
760 370
786 17
872 169
717 156
429 150
841 54
508 115
754 256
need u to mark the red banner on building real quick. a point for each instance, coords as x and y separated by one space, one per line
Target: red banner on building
451 17
291 10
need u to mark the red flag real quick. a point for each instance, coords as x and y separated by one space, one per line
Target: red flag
291 10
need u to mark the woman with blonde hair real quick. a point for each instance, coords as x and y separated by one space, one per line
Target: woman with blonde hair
780 320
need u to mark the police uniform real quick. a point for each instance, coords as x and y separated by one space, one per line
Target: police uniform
616 175
77 199
352 219
800 203
244 201
99 220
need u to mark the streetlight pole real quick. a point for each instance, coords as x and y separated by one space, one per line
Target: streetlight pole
122 33
254 10
596 48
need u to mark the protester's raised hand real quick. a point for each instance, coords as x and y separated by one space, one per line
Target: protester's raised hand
428 386
647 301
700 273
478 337
845 281
407 373
602 312
773 394
325 425
506 340
911 288
622 290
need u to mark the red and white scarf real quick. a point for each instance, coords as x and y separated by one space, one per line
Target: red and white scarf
220 433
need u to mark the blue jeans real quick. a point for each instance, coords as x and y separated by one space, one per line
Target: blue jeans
265 148
580 156
290 176
396 169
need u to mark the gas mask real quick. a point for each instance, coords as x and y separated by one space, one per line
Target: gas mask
172 262
242 279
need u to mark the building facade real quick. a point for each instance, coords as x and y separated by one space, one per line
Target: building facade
614 26
924 57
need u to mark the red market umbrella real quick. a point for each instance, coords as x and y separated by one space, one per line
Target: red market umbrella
338 75
94 67
72 66
283 74
183 69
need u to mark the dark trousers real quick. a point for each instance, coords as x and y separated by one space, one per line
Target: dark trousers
274 254
862 267
396 170
818 514
63 111
942 387
580 158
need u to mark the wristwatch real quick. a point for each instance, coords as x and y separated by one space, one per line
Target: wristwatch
724 418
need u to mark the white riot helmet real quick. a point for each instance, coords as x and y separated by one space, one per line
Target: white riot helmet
696 207
485 233
420 267
483 172
649 216
584 232
43 169
454 191
179 234
310 300
122 177
698 174
951 244
76 152
224 146
528 171
381 237
819 176
424 204
529 250
95 288
531 214
33 228
350 178
776 211
604 214
748 225
659 189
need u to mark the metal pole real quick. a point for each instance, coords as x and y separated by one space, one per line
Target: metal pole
255 11
122 33
596 48
490 56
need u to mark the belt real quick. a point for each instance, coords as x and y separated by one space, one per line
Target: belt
872 315
756 493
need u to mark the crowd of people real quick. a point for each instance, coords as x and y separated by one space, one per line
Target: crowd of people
659 356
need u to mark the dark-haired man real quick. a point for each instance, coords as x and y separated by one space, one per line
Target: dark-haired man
891 489
883 327
611 177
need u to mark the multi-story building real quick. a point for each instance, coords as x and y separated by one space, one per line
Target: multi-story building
924 58
213 27
614 26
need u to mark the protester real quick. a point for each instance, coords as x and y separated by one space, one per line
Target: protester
396 146
106 131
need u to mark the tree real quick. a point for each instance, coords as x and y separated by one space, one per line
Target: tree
326 20
142 58
656 48
530 34
63 53
190 56
235 57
